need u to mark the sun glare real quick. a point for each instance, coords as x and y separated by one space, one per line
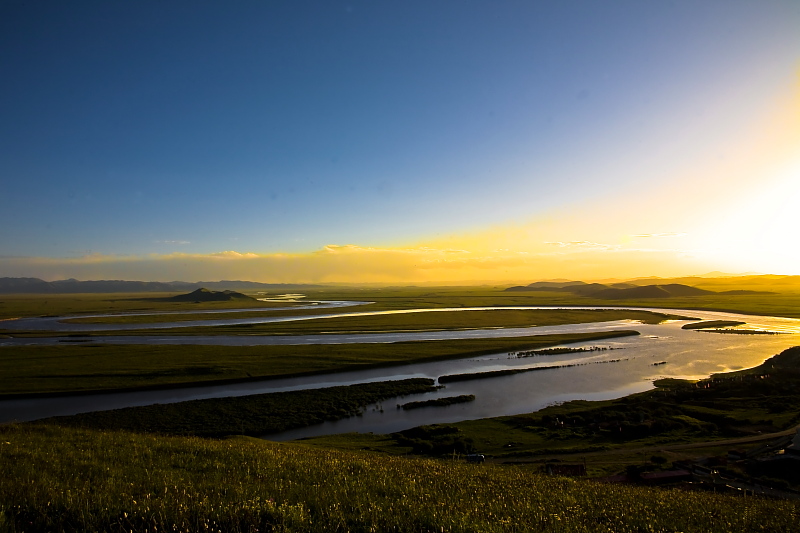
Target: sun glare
760 231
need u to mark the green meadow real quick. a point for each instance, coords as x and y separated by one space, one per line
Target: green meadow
25 305
426 321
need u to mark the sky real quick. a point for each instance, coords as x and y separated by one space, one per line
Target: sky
398 142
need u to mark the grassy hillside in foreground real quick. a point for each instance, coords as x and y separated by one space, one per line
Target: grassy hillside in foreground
54 479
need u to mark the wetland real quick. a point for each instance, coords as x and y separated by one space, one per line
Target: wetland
305 346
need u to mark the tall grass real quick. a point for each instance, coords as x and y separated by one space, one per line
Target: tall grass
54 479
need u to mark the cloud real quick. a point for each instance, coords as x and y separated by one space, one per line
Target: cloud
648 235
583 245
230 254
180 243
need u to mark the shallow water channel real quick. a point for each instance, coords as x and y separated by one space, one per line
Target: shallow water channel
627 365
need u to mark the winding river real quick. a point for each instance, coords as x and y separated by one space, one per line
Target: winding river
625 366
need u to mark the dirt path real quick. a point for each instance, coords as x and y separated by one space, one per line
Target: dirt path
658 448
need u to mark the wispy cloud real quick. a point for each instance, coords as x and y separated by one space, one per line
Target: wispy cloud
583 245
230 254
649 235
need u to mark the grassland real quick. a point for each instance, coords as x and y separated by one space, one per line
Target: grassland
784 302
209 314
425 321
83 367
24 305
58 479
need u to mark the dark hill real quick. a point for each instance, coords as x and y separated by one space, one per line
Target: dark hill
650 291
580 288
25 285
678 289
616 291
622 285
75 286
541 285
205 295
552 286
587 289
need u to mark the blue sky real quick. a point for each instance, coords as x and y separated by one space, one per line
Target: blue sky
135 129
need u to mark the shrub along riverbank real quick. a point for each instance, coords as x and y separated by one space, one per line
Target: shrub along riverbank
450 378
259 414
707 324
439 402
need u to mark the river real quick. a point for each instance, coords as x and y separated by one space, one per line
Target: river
627 365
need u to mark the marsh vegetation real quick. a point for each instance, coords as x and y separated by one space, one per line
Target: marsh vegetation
254 415
438 402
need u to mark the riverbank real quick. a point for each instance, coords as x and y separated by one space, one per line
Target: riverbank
613 433
253 415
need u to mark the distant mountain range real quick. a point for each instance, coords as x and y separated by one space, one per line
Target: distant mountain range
622 291
68 286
